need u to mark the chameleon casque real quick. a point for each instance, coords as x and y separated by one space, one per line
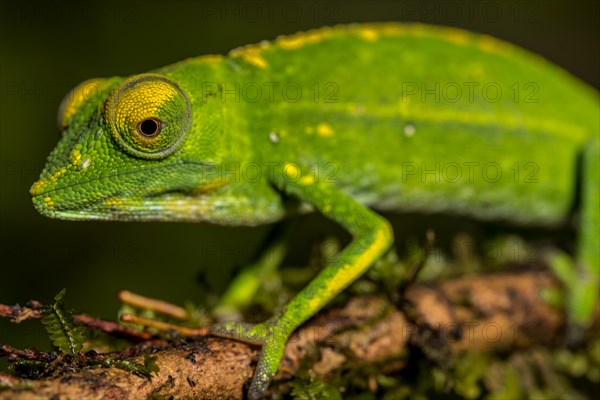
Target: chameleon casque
372 114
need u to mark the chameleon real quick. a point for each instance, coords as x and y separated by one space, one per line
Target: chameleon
349 121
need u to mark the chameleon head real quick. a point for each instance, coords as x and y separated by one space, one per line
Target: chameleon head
123 151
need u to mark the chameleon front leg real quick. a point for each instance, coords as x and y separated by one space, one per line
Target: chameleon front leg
372 236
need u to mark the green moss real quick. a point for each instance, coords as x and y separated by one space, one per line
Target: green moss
60 325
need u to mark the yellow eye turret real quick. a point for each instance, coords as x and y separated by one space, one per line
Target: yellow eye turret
148 115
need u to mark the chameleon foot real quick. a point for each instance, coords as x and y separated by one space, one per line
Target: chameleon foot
271 336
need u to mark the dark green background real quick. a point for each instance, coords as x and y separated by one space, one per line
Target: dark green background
47 47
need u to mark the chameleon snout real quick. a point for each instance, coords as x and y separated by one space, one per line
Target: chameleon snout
37 188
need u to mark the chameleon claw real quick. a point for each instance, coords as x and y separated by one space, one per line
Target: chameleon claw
272 338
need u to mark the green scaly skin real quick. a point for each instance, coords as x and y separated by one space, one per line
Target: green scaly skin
358 138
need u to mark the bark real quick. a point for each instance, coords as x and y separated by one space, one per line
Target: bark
498 313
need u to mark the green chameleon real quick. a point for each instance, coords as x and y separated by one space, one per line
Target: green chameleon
338 120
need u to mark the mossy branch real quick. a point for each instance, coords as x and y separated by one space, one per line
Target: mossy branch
449 321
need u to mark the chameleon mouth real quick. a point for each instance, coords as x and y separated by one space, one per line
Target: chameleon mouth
160 206
130 199
47 207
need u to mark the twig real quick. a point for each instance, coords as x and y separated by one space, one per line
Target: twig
26 354
163 326
147 303
33 310
113 328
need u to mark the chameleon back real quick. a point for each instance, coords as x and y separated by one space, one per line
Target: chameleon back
411 117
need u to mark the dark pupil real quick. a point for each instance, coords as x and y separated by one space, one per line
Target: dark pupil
149 127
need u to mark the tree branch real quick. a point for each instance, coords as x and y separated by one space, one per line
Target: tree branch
496 312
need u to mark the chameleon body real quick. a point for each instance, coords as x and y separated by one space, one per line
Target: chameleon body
389 117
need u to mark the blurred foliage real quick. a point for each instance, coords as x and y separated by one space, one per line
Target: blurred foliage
308 386
534 373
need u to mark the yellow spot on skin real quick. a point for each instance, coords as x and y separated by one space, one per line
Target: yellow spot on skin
374 31
325 130
291 171
54 177
76 97
302 39
210 58
38 187
210 186
369 34
388 29
75 156
456 36
493 45
113 201
252 55
48 201
205 59
307 180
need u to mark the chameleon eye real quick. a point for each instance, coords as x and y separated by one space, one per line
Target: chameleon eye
148 116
